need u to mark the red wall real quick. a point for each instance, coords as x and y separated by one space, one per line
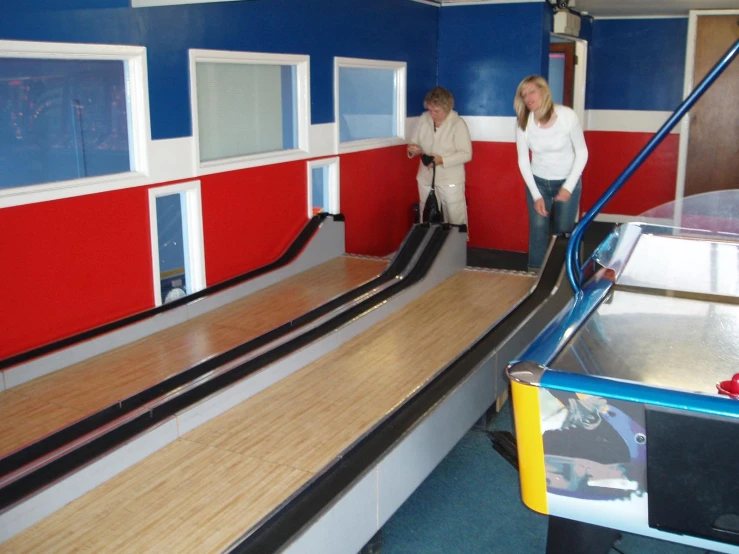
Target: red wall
496 198
378 188
72 264
652 184
251 216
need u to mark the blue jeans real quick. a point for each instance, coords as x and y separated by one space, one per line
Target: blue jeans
562 220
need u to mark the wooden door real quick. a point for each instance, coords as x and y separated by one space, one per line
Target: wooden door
568 49
713 144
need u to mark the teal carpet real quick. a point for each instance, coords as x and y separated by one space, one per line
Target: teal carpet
471 504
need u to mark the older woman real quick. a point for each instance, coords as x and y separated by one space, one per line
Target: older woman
553 135
442 134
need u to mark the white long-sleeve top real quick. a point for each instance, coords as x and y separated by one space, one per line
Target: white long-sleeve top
558 152
451 140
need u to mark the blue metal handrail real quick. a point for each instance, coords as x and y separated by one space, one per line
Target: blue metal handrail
574 268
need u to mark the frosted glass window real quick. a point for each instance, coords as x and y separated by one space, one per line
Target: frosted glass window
62 120
245 109
368 103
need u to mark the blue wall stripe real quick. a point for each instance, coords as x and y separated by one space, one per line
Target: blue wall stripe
486 50
636 392
380 29
44 5
636 64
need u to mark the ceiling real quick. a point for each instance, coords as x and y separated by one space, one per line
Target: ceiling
625 8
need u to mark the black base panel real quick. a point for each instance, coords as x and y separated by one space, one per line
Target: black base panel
692 469
566 536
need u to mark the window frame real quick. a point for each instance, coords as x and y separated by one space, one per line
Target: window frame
401 72
137 92
194 217
302 66
334 183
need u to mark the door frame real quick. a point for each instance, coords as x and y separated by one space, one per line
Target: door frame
682 156
569 85
581 71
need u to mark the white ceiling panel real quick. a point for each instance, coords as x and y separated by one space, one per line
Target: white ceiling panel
625 8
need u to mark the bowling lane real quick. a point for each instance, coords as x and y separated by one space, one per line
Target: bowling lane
33 410
203 491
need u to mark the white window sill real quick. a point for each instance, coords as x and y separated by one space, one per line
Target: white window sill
255 160
369 144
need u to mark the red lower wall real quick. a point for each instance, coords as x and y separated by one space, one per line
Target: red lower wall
496 198
72 264
651 185
250 217
378 188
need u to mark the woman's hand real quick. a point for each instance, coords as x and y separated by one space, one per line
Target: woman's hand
563 195
540 207
439 160
414 150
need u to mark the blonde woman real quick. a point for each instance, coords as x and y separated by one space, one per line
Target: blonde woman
441 133
553 135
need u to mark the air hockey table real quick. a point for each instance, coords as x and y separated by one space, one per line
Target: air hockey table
627 405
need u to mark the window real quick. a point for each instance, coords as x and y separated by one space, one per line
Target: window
177 241
248 108
323 186
70 115
369 103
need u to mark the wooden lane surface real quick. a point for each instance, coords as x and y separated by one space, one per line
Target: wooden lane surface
32 410
202 492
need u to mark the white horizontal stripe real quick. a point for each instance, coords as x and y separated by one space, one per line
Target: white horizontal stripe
601 17
627 121
322 141
491 128
169 160
482 128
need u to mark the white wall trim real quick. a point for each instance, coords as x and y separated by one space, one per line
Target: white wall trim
581 75
626 121
194 240
616 218
140 133
334 188
322 140
484 128
601 17
302 64
401 69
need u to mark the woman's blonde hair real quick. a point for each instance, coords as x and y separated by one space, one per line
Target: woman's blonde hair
522 112
439 96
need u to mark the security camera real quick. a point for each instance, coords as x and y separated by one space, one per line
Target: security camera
559 4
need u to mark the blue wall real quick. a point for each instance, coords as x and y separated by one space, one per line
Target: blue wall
636 64
485 52
379 29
